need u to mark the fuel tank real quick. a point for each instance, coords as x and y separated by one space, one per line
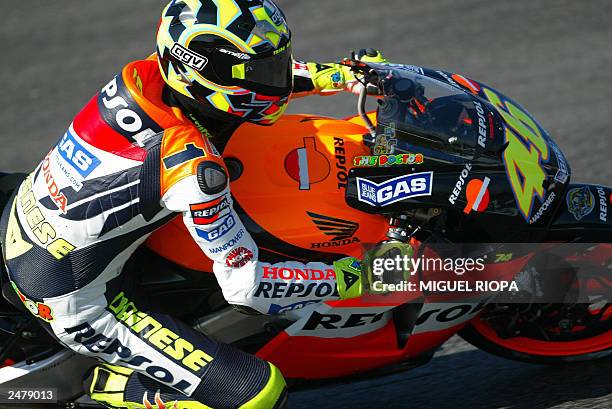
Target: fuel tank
288 182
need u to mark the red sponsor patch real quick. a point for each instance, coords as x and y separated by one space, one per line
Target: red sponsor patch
477 193
209 212
238 257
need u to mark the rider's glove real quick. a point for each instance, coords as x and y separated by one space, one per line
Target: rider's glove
355 278
332 78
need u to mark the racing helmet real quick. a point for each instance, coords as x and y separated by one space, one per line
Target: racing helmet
233 56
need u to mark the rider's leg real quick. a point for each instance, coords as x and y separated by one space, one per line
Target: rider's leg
110 322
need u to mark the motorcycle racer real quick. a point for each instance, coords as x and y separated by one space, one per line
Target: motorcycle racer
145 148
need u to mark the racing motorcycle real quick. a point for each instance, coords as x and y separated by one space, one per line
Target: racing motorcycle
444 160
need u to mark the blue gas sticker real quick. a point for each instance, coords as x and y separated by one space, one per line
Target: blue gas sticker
219 231
77 155
394 190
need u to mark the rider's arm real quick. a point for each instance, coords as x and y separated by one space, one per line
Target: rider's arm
199 189
310 78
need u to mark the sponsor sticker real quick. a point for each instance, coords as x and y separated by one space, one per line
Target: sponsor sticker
477 193
123 114
241 56
318 321
38 309
55 193
274 12
209 212
386 142
563 172
307 165
191 359
580 202
219 231
76 155
460 182
238 257
394 190
388 160
482 125
229 244
279 309
39 227
543 208
267 289
341 174
188 57
341 231
603 206
286 273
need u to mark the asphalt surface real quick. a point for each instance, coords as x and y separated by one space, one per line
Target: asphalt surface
553 56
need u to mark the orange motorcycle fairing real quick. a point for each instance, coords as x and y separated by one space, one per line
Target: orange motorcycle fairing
291 185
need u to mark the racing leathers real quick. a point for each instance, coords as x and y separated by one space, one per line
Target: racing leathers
128 164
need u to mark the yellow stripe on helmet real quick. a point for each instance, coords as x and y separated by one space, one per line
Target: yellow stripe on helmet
227 12
220 101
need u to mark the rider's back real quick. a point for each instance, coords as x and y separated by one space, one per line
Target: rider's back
97 193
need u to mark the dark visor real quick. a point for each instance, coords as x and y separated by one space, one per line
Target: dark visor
269 74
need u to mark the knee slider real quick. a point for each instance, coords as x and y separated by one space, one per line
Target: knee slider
212 177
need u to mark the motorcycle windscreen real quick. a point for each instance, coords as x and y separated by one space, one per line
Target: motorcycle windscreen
423 114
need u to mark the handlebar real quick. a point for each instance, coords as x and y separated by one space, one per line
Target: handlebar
370 85
362 112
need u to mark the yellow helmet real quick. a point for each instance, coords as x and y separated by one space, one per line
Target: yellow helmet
232 55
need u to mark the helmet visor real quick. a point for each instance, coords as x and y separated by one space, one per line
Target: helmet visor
270 74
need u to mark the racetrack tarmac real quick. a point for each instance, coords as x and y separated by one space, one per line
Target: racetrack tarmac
552 56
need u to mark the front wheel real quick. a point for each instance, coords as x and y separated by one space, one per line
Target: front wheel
543 333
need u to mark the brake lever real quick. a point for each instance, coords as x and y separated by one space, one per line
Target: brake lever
370 77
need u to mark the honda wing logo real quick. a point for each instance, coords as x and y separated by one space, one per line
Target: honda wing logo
330 226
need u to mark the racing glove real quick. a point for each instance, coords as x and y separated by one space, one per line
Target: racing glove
356 278
331 78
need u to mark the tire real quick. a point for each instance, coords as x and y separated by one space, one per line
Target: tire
482 336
